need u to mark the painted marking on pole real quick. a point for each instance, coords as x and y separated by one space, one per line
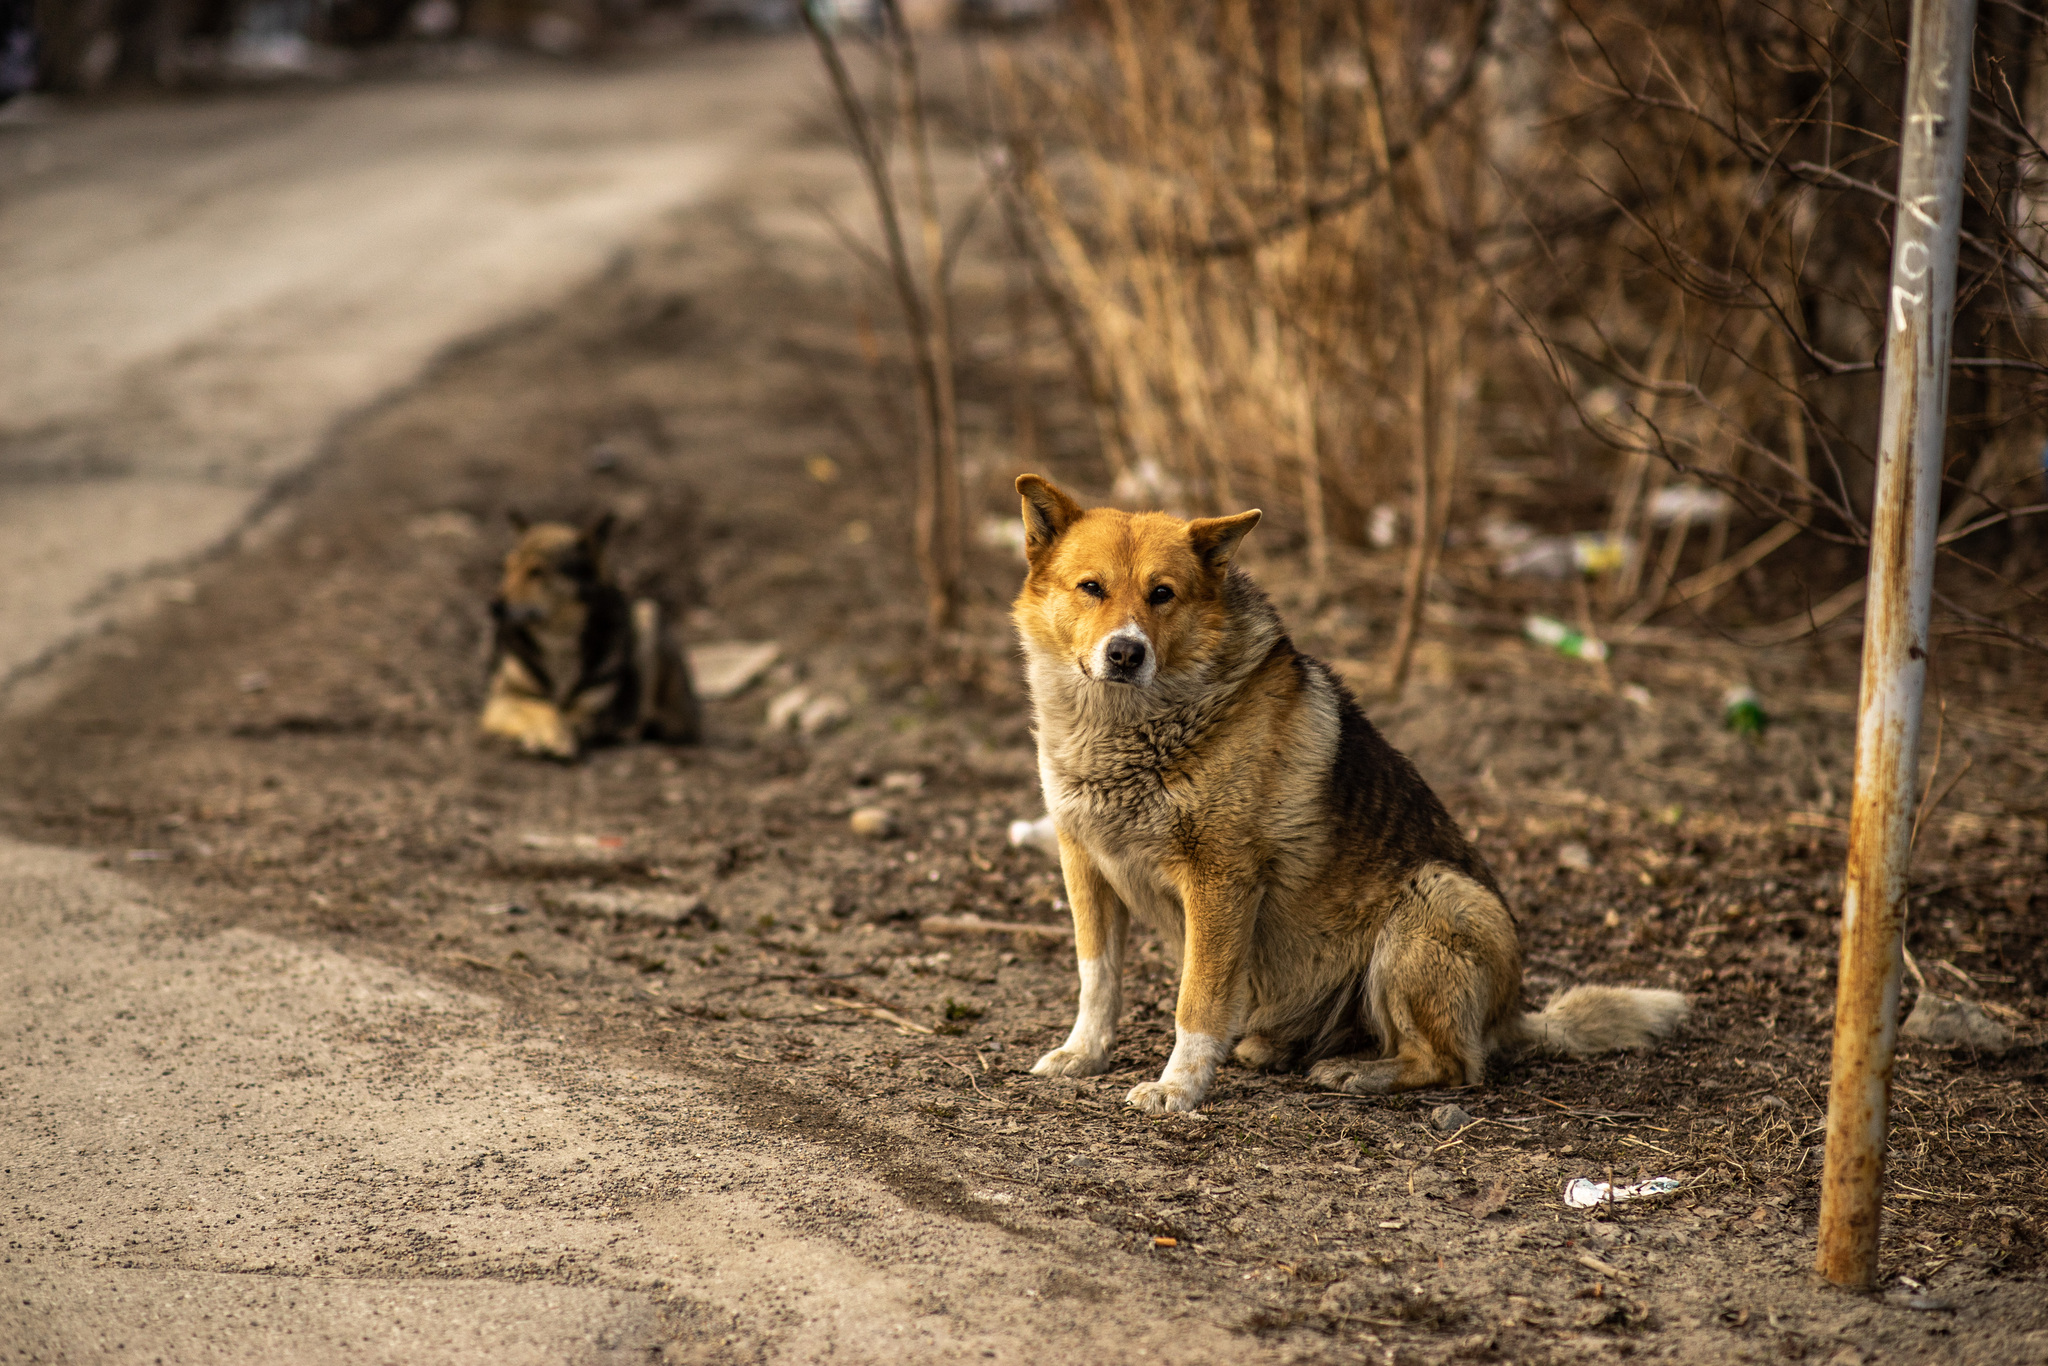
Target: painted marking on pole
1898 307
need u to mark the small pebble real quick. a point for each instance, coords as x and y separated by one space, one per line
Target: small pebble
822 713
1955 1024
1448 1119
1575 858
873 822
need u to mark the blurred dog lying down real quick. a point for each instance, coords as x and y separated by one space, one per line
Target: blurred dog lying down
574 663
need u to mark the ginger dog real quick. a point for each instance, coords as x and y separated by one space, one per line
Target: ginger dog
1224 788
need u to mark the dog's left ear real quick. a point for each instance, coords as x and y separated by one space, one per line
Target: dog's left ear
1215 539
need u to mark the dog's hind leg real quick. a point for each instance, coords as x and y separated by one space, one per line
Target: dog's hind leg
1423 1053
1101 925
1445 972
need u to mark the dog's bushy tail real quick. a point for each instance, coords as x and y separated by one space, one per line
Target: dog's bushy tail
1587 1020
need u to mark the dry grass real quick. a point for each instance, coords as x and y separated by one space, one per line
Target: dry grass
1468 257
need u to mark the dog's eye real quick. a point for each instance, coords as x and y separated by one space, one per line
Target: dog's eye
1092 588
1160 595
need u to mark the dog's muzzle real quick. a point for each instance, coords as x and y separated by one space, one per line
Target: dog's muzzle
1125 659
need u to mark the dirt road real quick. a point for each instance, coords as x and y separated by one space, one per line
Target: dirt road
235 1146
330 1033
193 293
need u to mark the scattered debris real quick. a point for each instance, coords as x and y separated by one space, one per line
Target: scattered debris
1147 484
903 780
1742 713
1575 857
1163 1241
873 822
596 844
970 924
1489 1202
1001 533
1449 1119
1608 1269
725 669
1551 632
786 706
826 711
1955 1024
1526 555
149 855
1582 1193
450 526
874 1012
617 903
1040 834
1688 503
808 713
1383 528
253 681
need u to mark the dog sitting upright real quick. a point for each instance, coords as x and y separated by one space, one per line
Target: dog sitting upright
1208 778
573 663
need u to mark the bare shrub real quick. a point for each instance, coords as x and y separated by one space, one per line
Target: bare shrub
1533 261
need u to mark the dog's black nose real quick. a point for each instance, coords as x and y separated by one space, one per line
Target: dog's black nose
1126 656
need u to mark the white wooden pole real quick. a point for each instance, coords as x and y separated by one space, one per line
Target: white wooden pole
1918 322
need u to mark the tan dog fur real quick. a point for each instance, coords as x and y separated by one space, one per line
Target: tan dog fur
1209 779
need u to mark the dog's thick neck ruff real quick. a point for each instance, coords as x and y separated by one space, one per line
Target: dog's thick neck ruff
1087 726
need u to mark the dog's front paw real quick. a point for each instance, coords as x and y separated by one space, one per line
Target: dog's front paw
556 744
1160 1097
1070 1062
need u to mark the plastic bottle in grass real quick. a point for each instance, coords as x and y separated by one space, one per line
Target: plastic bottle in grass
1742 713
1563 639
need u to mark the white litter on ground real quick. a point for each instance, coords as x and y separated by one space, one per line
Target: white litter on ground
1581 1193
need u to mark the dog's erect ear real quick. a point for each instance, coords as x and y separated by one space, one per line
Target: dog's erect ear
1048 512
519 520
1215 539
600 531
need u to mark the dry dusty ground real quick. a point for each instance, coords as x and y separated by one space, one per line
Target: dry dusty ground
287 758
